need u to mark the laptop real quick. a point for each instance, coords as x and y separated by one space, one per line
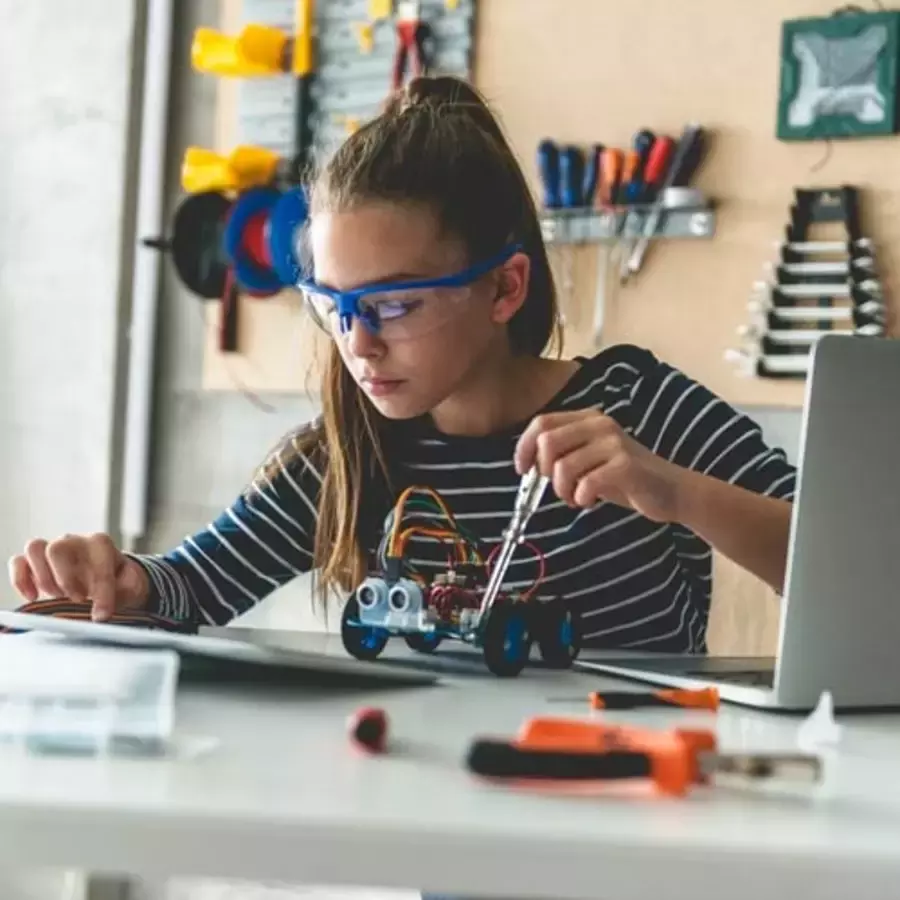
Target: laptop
840 623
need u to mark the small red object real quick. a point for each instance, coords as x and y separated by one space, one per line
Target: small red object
368 729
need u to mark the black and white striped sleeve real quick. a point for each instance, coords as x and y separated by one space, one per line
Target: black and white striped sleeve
689 425
256 545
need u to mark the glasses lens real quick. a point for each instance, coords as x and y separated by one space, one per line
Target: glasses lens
409 314
392 315
321 308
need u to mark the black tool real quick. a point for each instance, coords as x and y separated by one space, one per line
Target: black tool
592 174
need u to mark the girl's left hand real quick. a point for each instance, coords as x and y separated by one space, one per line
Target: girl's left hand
589 457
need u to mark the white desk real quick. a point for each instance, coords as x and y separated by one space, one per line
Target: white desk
283 796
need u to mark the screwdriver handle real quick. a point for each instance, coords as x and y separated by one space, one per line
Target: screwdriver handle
571 172
610 174
368 728
642 144
707 698
630 172
548 167
692 160
502 759
591 174
658 161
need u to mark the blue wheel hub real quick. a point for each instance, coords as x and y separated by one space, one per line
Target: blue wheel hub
565 631
514 639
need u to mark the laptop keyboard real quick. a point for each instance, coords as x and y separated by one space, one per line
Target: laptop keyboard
750 678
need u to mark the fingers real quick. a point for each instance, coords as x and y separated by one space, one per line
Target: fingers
102 560
80 568
41 572
604 482
567 472
21 580
542 427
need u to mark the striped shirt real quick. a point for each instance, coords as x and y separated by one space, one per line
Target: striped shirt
637 583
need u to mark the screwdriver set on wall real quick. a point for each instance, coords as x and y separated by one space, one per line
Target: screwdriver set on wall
816 287
632 195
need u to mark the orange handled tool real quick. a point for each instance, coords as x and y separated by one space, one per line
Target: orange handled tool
707 698
550 749
611 161
631 171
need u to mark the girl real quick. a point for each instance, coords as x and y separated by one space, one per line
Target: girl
432 279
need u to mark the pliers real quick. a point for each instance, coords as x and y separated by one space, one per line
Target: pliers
411 51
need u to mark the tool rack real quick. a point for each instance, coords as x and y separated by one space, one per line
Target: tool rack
816 287
353 56
589 226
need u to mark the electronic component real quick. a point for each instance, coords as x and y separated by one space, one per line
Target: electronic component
464 601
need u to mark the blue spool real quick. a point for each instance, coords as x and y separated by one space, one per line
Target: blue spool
285 221
250 272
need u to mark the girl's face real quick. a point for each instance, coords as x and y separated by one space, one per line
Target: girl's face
431 343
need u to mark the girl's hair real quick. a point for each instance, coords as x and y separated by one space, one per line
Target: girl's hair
438 146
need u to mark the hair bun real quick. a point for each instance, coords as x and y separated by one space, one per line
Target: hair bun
435 92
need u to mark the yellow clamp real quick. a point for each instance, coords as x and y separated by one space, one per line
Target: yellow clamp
257 50
380 9
243 168
365 36
451 4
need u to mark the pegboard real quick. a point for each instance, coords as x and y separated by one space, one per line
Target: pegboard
585 71
350 83
280 348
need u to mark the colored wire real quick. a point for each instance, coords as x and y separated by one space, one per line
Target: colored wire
441 534
426 503
400 506
541 560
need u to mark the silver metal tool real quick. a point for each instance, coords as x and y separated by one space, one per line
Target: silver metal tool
531 489
680 157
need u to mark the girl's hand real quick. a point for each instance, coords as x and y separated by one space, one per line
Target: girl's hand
589 458
87 568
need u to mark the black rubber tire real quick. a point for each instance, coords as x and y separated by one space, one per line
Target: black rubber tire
423 643
507 638
359 641
558 632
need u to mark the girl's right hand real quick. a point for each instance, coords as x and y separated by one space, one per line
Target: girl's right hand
84 568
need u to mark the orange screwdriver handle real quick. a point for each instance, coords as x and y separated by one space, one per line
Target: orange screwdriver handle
630 168
610 174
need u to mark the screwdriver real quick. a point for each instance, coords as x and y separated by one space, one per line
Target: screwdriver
657 165
571 174
673 761
630 173
591 174
707 698
684 155
642 144
548 167
611 162
655 170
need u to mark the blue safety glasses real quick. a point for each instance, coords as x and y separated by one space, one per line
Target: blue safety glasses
401 310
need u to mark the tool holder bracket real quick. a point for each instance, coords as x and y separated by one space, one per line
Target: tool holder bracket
589 226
